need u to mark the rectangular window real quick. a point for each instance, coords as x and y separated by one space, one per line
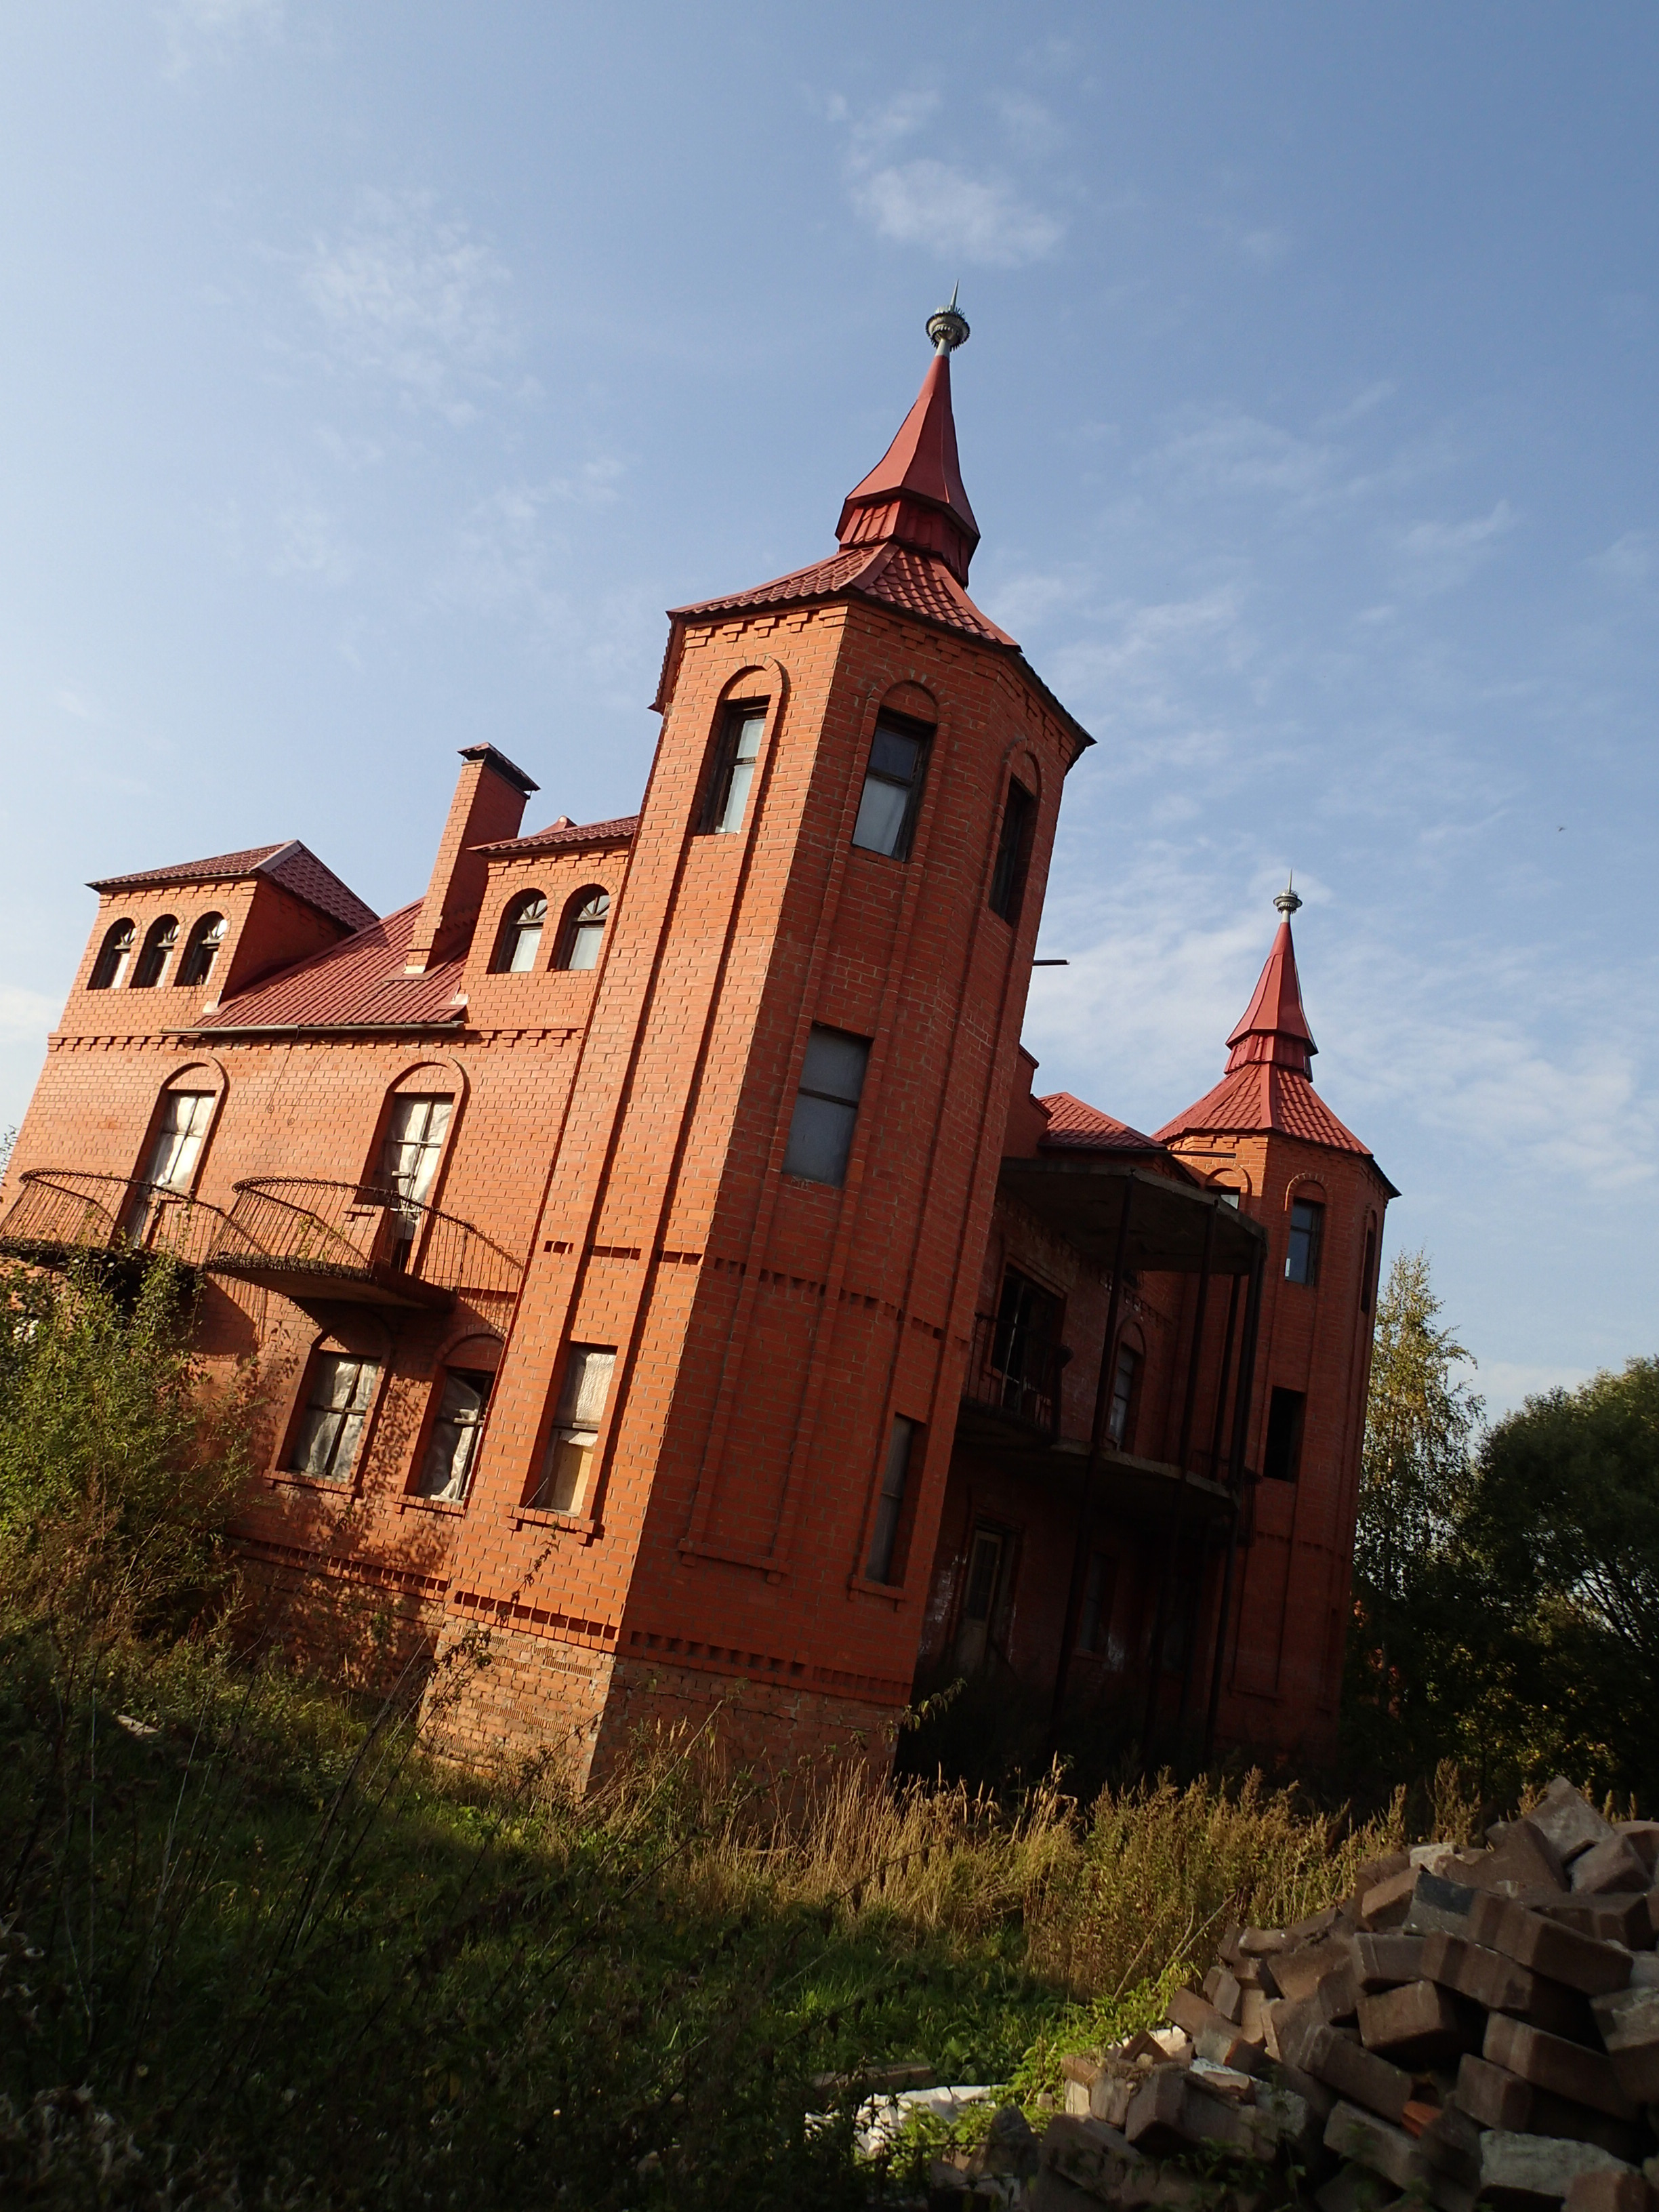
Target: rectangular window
337 1405
447 1468
827 1106
1095 1624
979 1599
734 766
1025 1348
1368 1272
892 788
178 1140
1281 1461
1123 1396
1307 1232
1008 877
413 1146
889 1506
576 1427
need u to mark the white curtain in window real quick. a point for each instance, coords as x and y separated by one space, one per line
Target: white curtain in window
414 1140
449 1466
337 1405
576 1425
178 1140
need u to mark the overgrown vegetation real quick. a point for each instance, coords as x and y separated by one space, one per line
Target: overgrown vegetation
1507 1581
258 1947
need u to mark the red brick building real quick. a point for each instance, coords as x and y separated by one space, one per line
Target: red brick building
653 1250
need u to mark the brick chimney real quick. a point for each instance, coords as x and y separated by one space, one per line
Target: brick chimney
488 804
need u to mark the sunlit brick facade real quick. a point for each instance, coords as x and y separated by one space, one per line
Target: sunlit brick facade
654 1253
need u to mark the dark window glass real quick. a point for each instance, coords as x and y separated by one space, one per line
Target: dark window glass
1123 1396
114 958
447 1468
889 1506
734 766
207 935
892 788
1282 1458
1095 1624
980 1599
584 928
1008 877
159 941
1307 1228
1025 1348
1368 1272
521 935
827 1106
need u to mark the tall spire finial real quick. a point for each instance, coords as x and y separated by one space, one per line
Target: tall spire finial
1287 901
948 328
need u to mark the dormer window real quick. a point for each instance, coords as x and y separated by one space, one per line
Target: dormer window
892 788
584 927
159 941
521 935
114 958
201 949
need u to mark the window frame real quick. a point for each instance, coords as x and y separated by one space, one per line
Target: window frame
515 926
202 946
885 1560
308 1403
1013 853
803 1126
573 1429
1309 1249
467 1436
726 761
113 966
161 939
1120 1435
1282 1437
576 917
922 734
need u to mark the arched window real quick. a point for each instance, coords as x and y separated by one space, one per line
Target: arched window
114 957
584 927
159 941
521 935
202 949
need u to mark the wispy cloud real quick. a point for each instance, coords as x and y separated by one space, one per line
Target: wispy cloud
310 544
1439 556
193 27
923 200
1629 561
25 1016
405 294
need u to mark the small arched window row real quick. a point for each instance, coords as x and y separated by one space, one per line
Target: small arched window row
207 934
159 939
109 970
581 931
115 965
520 935
585 917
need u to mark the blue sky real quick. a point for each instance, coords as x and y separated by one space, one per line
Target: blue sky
374 375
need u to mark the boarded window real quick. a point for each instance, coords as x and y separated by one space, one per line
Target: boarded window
341 1391
892 788
889 1506
447 1468
827 1106
576 1427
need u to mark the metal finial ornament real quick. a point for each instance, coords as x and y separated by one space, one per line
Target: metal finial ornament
948 329
1287 901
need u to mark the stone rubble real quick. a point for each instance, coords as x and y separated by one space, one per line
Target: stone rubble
1470 2027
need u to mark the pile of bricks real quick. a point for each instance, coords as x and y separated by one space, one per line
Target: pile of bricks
1469 2027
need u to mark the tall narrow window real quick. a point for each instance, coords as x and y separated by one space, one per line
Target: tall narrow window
576 1427
341 1391
1368 1271
114 958
892 786
1008 877
447 1468
201 949
889 1506
827 1106
1281 1459
1095 1622
1307 1233
409 1153
179 1136
521 935
978 1598
159 941
734 765
584 929
1123 1396
1025 1348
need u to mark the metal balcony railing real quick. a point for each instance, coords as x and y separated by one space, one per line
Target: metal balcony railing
1013 1372
60 1212
297 1232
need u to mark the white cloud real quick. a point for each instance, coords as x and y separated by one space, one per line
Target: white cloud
1439 556
309 545
928 202
1505 1384
190 25
26 1017
1031 128
403 294
1629 562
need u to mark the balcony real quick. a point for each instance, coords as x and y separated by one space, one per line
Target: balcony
1013 1378
314 1240
61 1213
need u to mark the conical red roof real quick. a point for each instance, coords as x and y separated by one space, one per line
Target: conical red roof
914 495
1273 1027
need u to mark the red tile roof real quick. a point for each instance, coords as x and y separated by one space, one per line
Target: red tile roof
916 583
1074 1123
1258 1097
356 984
292 865
618 831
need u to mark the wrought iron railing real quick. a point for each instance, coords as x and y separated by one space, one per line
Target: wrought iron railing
1012 1370
298 1225
61 1210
